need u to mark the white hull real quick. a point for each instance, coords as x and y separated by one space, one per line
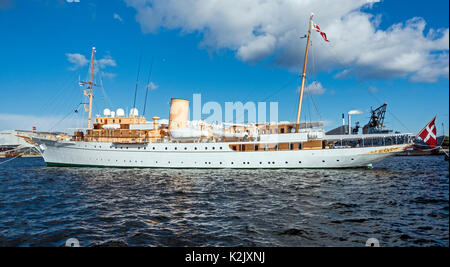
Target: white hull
205 155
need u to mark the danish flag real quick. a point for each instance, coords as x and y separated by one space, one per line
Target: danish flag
324 35
428 134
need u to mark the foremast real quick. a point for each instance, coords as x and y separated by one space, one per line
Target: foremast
297 125
90 87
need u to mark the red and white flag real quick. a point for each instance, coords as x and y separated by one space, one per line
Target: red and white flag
428 134
324 35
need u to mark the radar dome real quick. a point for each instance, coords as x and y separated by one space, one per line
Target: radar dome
113 114
120 112
134 112
106 112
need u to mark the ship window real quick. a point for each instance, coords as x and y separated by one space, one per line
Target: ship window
276 147
287 162
214 148
206 148
166 148
256 147
195 148
291 146
176 148
153 148
220 147
282 130
114 121
300 162
273 162
120 121
234 148
185 148
300 146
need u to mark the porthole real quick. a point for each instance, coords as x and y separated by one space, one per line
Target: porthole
185 148
166 148
176 148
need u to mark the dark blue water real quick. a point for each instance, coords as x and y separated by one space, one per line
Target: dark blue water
403 201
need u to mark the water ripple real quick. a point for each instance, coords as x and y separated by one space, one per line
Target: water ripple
402 202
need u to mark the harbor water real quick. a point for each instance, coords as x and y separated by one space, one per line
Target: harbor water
402 201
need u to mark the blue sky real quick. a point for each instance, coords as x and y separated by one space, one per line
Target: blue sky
211 53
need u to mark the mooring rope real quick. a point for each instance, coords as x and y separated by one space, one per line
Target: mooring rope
10 159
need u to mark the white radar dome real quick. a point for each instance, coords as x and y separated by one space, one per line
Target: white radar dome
113 114
120 112
106 112
134 112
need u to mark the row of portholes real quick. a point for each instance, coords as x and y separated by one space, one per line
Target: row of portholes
209 163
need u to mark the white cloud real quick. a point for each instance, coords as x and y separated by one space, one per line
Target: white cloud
79 60
42 123
373 89
117 17
151 86
261 29
315 88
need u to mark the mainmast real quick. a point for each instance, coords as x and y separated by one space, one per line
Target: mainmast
297 125
91 86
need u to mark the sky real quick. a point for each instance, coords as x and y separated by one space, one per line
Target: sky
390 51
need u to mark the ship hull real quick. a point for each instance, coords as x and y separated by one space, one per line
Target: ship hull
205 156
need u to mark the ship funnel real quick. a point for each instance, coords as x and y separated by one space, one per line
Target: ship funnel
179 109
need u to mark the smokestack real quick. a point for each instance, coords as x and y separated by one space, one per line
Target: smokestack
349 123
